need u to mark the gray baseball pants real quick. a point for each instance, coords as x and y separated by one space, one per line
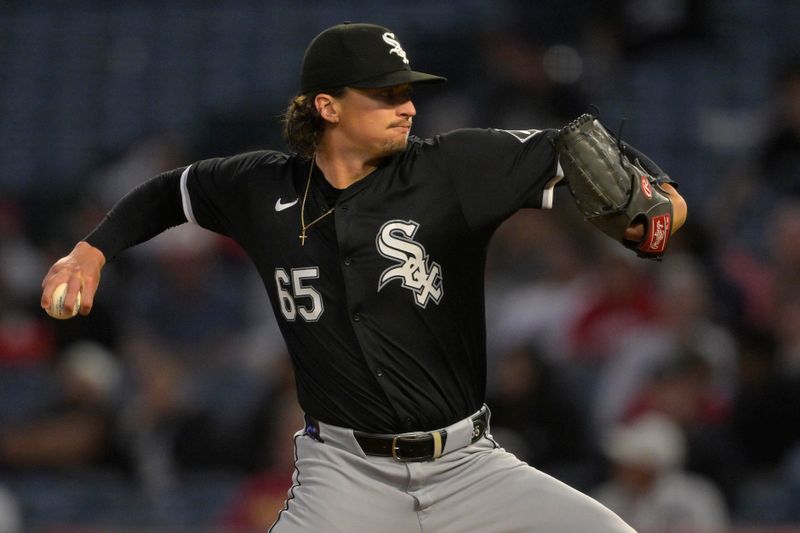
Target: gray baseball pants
472 488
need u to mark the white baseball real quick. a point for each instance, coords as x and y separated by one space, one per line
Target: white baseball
57 309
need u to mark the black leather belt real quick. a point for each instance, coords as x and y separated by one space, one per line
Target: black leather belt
414 447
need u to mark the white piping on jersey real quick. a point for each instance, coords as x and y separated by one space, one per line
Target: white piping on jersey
547 194
187 203
521 135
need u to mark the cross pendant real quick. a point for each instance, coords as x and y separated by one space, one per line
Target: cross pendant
303 239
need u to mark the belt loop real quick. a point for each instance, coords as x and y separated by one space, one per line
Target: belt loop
437 444
312 428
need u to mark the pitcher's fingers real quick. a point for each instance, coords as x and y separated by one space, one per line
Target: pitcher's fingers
634 232
74 286
88 290
61 271
57 275
49 284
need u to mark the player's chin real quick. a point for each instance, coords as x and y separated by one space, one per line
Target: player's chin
395 145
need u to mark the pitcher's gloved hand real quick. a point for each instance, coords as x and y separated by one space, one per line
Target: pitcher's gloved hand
613 191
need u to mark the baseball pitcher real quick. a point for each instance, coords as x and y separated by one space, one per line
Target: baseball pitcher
371 245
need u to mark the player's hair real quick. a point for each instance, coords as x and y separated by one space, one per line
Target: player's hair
302 124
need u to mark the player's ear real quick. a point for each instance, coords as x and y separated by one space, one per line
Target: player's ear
327 107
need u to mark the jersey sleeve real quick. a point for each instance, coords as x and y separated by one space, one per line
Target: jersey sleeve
497 172
143 213
212 190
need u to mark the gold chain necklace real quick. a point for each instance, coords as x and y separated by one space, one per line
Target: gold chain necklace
303 225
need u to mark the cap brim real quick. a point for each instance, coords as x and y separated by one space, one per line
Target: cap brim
399 77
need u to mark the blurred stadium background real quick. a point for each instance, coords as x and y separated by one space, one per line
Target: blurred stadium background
171 407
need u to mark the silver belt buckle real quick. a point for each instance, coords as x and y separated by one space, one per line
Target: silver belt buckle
395 447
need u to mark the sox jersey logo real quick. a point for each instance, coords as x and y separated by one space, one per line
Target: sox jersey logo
395 241
392 41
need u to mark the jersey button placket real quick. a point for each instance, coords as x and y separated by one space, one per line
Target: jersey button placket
348 261
356 317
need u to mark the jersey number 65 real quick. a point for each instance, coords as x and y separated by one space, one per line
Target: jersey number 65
296 296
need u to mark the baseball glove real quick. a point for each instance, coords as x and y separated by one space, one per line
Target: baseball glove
611 190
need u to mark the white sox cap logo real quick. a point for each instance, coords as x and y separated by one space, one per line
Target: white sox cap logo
392 41
394 241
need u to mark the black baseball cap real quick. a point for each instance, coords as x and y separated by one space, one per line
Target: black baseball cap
357 55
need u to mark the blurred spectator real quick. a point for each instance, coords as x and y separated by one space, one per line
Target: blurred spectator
791 495
619 300
784 243
649 488
153 408
759 215
642 26
178 299
79 429
142 159
536 275
680 388
535 414
765 277
20 261
187 325
767 405
24 337
10 512
787 327
779 162
765 408
169 432
263 494
535 246
528 87
686 322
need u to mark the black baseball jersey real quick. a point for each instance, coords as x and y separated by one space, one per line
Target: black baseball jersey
382 308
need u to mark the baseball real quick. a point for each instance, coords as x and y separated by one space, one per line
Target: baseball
56 309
